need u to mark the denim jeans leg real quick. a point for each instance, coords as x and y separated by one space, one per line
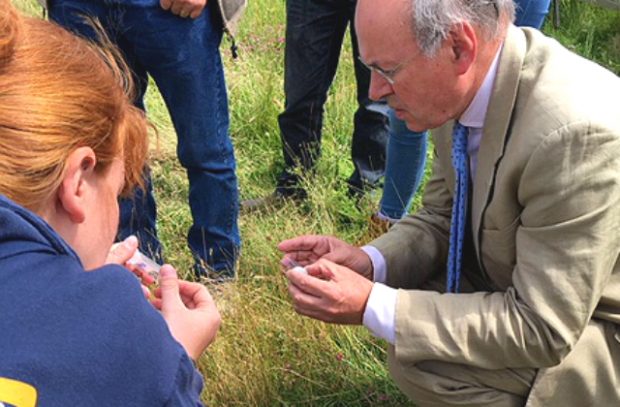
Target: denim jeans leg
406 158
138 216
182 55
137 213
531 13
314 34
370 132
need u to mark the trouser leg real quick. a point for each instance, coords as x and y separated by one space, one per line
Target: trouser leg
314 33
406 159
182 55
370 126
531 13
435 383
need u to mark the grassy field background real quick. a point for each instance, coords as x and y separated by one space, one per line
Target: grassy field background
265 354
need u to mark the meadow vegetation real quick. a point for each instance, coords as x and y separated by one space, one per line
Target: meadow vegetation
265 354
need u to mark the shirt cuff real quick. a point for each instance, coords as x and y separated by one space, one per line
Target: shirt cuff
378 263
380 312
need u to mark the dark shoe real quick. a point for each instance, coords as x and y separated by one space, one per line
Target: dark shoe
362 193
273 201
206 273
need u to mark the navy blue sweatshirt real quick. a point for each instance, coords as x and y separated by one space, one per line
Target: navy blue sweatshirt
74 338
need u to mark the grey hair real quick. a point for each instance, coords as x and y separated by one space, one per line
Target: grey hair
432 20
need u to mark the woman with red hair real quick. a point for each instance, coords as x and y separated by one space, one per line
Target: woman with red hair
71 142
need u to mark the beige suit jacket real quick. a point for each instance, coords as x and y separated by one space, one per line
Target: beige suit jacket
546 231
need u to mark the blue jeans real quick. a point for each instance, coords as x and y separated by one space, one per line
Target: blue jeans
182 56
314 33
531 13
407 149
406 158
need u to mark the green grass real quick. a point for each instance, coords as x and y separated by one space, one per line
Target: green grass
265 354
590 31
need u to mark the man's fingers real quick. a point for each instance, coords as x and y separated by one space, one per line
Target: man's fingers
291 260
305 283
322 270
196 12
176 7
185 11
309 305
302 298
301 243
313 313
184 8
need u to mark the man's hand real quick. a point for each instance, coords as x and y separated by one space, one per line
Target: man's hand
329 292
189 311
184 8
308 249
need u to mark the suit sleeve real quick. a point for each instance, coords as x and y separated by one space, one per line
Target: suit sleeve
567 246
416 248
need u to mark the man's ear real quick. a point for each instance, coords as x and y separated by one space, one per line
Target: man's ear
463 41
77 183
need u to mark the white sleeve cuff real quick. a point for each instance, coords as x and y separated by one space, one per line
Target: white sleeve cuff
380 312
378 263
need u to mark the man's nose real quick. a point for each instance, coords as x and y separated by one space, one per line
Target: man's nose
380 88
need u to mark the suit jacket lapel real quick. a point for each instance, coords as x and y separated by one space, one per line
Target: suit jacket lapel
496 124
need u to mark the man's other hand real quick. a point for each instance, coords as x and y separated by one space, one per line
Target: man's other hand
308 249
329 292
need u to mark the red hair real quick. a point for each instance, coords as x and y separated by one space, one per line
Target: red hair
57 93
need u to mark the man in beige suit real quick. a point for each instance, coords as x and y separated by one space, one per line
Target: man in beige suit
537 318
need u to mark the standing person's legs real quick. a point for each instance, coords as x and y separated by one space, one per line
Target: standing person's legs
531 13
138 213
406 158
314 33
183 57
370 132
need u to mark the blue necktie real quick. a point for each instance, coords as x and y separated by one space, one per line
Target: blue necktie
459 206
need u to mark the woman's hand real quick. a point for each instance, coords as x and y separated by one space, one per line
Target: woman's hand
121 253
189 310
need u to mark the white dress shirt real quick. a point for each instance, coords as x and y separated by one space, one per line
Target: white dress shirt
381 305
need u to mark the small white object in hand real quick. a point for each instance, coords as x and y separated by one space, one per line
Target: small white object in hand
300 269
294 266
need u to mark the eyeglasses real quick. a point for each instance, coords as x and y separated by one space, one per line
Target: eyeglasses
388 74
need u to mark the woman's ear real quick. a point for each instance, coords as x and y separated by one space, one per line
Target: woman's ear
77 183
